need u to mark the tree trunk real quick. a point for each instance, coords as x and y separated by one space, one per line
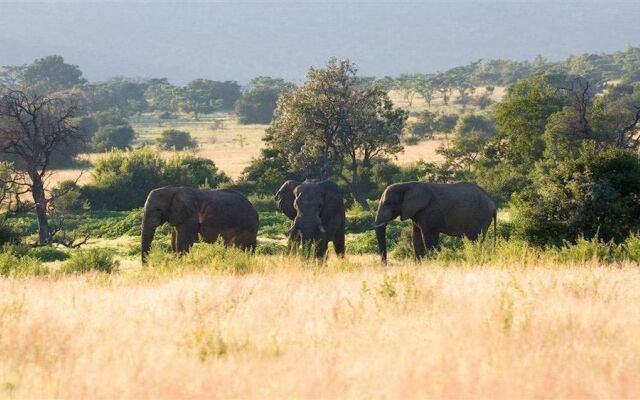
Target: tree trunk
40 200
359 198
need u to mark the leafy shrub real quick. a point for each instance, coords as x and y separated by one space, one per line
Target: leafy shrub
480 124
19 267
594 196
122 180
176 139
215 257
273 224
445 122
263 203
632 248
9 234
257 104
584 250
271 248
67 198
101 260
362 243
112 137
48 253
360 221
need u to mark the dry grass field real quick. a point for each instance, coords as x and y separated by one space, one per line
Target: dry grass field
351 329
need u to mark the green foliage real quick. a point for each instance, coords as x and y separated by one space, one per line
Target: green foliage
595 195
263 203
215 257
632 248
176 139
101 260
47 254
20 267
51 74
586 250
270 248
445 123
206 96
331 125
112 137
67 198
521 119
256 106
122 180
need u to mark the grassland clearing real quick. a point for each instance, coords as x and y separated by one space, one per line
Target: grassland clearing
349 329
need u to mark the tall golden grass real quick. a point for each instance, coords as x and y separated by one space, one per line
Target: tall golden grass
351 328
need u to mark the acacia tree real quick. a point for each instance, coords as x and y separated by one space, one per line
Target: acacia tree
331 126
32 130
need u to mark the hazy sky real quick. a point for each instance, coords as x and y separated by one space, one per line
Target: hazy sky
239 40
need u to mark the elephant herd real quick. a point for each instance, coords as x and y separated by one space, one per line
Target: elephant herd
317 213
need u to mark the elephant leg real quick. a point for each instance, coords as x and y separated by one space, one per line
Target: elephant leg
186 235
321 248
418 241
432 240
173 239
338 243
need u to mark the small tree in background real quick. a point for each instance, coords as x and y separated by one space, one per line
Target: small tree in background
176 139
257 104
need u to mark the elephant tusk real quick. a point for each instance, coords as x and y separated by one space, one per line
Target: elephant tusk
380 225
322 229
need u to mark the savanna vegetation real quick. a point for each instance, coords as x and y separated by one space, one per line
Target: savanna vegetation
544 309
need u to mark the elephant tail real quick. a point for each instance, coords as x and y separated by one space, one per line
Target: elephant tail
495 228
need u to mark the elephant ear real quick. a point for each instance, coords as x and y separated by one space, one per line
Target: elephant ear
416 197
332 199
182 206
285 198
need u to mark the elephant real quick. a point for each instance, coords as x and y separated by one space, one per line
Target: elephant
317 212
459 209
192 213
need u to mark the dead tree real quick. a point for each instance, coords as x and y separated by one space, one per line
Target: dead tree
32 129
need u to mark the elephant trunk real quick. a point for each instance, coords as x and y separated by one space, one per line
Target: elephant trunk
381 235
148 231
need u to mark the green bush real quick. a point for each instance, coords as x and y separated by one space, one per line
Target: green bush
122 180
360 221
362 243
632 248
20 267
101 260
594 196
271 248
176 139
68 199
48 253
112 137
263 203
584 250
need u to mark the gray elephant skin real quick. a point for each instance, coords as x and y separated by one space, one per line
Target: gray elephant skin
317 210
459 209
194 213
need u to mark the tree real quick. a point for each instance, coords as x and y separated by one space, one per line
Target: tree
331 126
594 195
521 119
176 139
112 137
198 97
257 104
51 74
32 129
